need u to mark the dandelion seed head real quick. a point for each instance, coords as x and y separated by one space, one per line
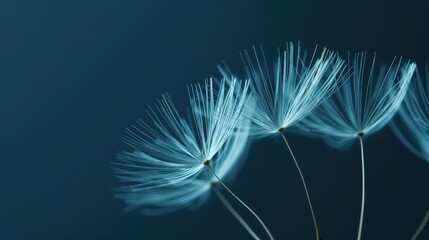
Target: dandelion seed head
411 125
167 168
283 96
364 104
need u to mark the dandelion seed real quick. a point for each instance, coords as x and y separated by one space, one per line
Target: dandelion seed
297 87
284 98
176 162
364 104
411 125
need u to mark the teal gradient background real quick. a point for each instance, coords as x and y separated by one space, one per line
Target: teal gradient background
75 74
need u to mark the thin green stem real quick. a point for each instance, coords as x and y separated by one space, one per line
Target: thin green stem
303 183
234 213
422 225
363 188
206 163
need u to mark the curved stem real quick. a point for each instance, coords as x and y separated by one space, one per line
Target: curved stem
303 183
240 201
234 213
363 189
422 225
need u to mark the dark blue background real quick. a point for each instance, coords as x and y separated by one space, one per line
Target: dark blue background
74 74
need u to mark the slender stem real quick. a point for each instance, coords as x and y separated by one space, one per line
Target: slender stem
363 189
240 201
303 183
234 213
422 225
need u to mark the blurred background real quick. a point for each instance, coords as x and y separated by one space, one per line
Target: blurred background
75 74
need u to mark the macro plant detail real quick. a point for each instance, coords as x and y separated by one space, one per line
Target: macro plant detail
177 162
413 116
364 104
411 125
296 86
285 97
